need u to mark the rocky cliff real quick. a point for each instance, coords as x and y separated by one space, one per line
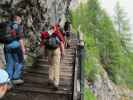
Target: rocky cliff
36 14
104 89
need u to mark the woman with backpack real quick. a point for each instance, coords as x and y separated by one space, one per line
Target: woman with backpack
53 42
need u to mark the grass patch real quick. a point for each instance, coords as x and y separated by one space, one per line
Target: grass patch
88 95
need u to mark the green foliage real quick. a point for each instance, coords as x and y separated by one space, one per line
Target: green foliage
103 44
122 26
88 95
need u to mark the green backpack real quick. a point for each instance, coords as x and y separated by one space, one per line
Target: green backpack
52 42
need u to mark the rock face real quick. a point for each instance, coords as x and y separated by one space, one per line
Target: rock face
105 89
37 15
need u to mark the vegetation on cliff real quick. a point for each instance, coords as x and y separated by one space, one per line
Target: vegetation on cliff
103 45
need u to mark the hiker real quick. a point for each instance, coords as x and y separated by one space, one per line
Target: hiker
4 80
14 50
67 34
53 42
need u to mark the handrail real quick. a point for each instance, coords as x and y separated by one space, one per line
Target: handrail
78 66
75 76
81 55
81 60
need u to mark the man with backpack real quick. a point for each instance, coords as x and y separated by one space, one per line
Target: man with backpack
53 42
67 28
14 49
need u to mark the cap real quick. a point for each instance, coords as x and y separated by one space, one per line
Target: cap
4 77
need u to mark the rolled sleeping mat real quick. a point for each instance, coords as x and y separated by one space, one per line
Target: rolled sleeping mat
4 80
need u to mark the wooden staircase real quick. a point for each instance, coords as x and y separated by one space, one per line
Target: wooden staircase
36 79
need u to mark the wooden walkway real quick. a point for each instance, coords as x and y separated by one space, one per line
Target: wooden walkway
36 79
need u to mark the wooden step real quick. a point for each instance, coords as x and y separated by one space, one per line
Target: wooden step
45 75
46 86
66 70
38 80
40 90
38 69
63 64
66 57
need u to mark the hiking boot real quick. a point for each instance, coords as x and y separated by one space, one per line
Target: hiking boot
18 81
56 87
9 85
68 46
50 82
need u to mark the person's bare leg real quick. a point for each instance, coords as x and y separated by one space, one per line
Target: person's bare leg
3 90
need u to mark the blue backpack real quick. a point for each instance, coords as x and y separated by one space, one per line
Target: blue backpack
52 42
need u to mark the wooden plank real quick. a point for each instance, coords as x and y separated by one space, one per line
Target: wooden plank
75 78
22 95
47 91
45 76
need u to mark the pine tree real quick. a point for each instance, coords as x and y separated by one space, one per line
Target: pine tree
103 44
122 26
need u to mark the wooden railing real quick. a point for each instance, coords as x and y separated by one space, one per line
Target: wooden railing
78 89
81 54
